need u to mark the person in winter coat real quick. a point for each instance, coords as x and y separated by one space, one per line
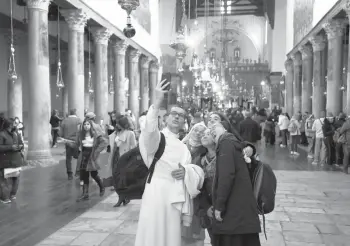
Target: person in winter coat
269 131
11 146
92 141
249 129
311 135
294 131
236 221
345 130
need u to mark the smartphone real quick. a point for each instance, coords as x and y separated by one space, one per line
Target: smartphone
167 77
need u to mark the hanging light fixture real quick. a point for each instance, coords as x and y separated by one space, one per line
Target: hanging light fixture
59 80
129 5
90 86
12 64
111 85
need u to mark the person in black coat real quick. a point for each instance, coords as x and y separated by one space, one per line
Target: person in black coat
11 146
249 129
236 221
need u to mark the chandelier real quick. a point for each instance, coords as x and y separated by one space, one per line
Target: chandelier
129 5
12 64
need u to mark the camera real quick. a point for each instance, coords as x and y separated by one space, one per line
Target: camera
129 31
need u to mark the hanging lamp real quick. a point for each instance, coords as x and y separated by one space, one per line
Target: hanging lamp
129 5
12 63
111 85
59 80
90 86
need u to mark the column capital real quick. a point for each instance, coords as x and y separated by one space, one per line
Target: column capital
306 52
42 5
334 28
296 59
346 7
134 56
289 65
76 19
101 35
154 67
145 62
318 43
120 47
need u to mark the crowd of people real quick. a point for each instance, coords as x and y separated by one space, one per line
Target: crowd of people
202 180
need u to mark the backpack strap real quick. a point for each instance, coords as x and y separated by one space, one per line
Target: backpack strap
157 156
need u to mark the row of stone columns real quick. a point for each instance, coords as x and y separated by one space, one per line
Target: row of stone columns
145 76
314 74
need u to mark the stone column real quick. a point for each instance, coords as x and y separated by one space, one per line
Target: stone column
334 30
318 99
347 9
289 86
39 84
101 37
134 86
76 20
297 82
306 88
144 87
154 67
14 87
119 49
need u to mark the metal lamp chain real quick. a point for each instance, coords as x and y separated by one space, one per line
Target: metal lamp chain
12 64
59 81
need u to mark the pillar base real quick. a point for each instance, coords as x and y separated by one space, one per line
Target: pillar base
40 158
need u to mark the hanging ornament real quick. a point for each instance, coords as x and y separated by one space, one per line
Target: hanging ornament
129 5
59 80
12 63
111 85
90 85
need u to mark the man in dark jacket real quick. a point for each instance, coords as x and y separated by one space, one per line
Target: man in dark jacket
235 211
249 129
11 145
69 130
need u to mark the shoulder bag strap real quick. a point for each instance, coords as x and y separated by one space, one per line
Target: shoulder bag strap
157 156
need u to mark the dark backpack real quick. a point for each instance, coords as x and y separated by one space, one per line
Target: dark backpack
130 174
264 184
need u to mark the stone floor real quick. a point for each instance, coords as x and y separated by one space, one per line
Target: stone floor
313 209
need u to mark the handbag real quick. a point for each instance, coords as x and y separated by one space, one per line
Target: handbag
12 172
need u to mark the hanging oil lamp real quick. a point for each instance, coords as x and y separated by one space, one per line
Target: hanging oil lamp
111 85
59 80
129 5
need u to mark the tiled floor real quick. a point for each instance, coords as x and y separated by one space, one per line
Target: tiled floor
313 209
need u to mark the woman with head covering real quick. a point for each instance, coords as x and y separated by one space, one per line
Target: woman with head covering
194 235
92 141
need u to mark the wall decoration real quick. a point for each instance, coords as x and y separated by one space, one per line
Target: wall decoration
143 15
303 17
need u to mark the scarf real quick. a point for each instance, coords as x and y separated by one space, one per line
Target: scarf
190 139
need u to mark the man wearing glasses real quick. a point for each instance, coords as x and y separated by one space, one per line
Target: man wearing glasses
162 209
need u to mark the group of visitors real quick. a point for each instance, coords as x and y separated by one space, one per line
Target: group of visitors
327 138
